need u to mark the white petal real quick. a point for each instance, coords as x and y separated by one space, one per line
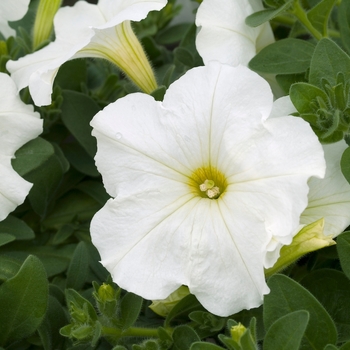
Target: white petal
18 124
119 11
224 36
11 10
330 197
13 189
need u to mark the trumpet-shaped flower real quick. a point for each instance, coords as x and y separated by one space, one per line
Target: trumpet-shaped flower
11 10
18 125
86 30
224 36
328 200
201 183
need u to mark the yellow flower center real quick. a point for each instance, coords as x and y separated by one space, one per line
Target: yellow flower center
208 182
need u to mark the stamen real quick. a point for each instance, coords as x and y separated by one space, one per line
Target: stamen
210 189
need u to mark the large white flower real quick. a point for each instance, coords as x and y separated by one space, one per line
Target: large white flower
224 36
18 125
11 10
202 182
87 30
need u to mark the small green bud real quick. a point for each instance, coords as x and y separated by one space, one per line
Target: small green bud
163 307
237 332
106 293
83 332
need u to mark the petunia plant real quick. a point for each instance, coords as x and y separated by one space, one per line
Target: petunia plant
174 174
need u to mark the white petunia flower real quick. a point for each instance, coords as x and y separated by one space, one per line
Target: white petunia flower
11 10
328 198
202 182
87 30
225 37
18 125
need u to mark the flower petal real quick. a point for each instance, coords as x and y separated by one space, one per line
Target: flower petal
224 36
330 197
11 11
18 124
119 11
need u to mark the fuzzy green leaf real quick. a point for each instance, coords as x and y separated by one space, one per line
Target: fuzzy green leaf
23 301
327 61
286 332
260 17
287 56
130 308
287 296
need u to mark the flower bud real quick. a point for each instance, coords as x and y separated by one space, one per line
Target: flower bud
44 21
237 332
307 240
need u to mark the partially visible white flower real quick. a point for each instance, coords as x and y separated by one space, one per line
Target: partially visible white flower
11 10
87 30
201 183
328 198
18 125
225 37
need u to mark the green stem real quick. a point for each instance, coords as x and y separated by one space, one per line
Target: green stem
290 21
301 15
130 332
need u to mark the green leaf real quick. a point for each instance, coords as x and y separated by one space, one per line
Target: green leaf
327 61
17 228
285 81
6 238
260 17
23 302
319 15
78 267
55 259
8 267
45 179
304 94
286 332
343 248
183 308
159 93
33 154
183 337
55 319
71 75
172 34
79 159
345 169
74 206
287 56
287 296
331 288
77 111
130 308
330 347
345 346
184 56
205 346
344 23
95 190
